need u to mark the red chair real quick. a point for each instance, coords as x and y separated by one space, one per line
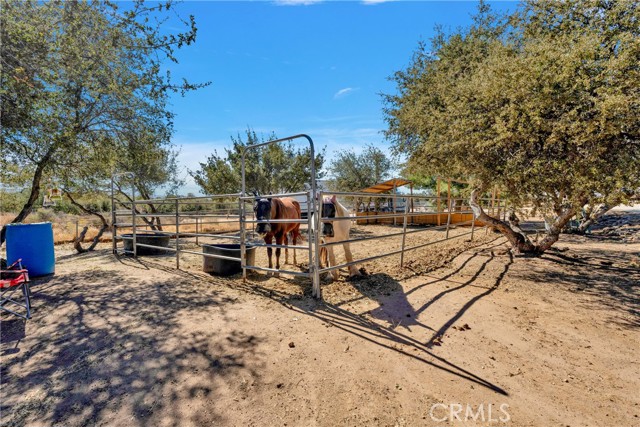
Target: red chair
13 278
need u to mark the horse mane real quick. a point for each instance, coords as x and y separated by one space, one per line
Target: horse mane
340 209
277 204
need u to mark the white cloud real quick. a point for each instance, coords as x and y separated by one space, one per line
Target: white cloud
344 92
372 2
296 2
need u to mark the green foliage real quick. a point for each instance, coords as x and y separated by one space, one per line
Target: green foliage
542 104
271 169
355 172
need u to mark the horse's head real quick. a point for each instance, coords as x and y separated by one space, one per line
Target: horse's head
262 209
328 211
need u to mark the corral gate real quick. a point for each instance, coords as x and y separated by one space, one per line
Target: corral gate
312 207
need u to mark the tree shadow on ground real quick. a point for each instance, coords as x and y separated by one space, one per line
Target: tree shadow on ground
11 333
403 313
95 349
364 326
609 276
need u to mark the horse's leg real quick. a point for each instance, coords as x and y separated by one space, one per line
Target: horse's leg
323 257
268 239
286 250
332 262
295 234
279 238
353 271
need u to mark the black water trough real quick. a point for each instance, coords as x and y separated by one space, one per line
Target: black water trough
225 267
154 239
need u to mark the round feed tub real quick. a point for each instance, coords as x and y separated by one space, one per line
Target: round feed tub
225 267
154 239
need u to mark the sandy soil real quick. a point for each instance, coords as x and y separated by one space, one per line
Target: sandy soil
465 331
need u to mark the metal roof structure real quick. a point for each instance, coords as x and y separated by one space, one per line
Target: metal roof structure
384 187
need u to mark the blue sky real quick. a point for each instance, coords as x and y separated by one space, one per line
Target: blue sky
290 67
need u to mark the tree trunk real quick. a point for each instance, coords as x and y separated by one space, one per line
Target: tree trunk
591 217
154 222
520 243
33 195
554 229
77 243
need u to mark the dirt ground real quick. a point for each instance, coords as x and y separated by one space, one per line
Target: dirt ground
465 334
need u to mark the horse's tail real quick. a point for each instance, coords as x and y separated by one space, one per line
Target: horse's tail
296 204
324 257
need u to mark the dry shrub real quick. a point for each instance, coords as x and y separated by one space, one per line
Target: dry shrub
64 225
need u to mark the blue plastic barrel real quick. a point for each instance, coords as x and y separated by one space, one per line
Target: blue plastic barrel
34 244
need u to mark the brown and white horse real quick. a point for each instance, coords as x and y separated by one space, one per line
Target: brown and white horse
267 209
336 231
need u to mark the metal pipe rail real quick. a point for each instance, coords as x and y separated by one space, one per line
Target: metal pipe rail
171 200
265 245
273 270
228 258
219 236
119 225
186 214
196 216
405 215
399 233
396 252
401 196
144 245
396 215
272 196
275 221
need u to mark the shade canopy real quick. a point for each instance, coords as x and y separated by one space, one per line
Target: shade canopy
384 187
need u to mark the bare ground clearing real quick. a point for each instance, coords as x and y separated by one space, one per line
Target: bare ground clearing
117 341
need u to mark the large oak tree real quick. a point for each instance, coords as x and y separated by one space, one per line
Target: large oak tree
542 104
83 82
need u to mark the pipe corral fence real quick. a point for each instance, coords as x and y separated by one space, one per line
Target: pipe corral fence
188 224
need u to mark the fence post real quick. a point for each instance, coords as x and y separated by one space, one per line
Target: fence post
448 218
133 228
243 243
449 205
317 207
310 243
114 233
394 203
438 201
197 243
77 225
493 202
473 223
177 234
404 232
